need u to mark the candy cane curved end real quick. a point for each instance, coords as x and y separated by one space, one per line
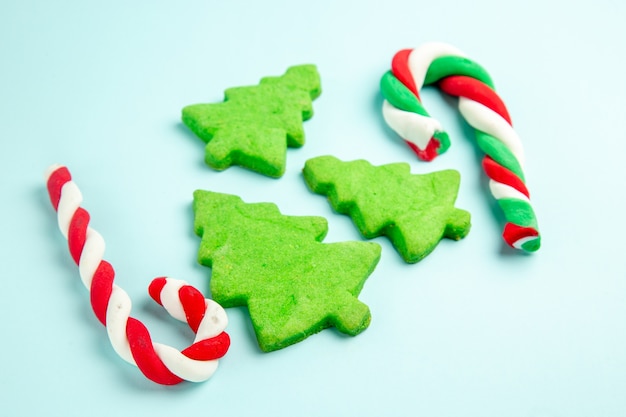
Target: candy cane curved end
112 306
482 108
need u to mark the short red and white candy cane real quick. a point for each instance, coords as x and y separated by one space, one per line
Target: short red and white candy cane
481 107
111 304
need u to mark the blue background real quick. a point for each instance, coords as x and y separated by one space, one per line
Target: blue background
475 329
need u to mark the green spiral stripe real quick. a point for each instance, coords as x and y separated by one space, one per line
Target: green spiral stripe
399 96
499 152
518 212
444 141
446 66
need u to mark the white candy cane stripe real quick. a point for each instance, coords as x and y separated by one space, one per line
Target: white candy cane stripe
112 305
118 313
92 255
482 118
68 206
422 56
182 366
413 127
500 191
170 299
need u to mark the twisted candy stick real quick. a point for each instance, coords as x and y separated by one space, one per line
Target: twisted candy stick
111 304
481 107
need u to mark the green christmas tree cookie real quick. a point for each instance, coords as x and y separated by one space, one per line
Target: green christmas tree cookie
293 284
254 125
414 211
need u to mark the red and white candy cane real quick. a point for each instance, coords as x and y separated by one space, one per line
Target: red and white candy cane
111 304
482 108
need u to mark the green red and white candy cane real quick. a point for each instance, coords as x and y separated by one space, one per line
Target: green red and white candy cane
111 304
482 108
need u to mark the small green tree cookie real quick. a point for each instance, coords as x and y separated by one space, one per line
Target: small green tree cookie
293 284
414 211
255 124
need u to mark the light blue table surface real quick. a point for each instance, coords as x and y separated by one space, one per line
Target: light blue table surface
474 330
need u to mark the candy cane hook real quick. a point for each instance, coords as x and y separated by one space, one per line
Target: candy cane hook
481 107
111 304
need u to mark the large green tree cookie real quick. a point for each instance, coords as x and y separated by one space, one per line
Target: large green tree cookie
293 284
254 125
414 211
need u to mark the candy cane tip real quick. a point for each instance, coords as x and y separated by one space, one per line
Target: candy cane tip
155 288
529 244
523 238
51 170
443 141
438 144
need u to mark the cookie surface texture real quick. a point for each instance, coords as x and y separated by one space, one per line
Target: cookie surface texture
414 211
293 284
255 124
